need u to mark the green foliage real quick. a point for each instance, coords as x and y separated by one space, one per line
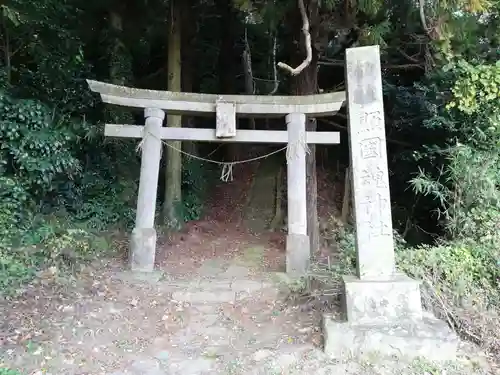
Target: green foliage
467 192
196 179
35 147
466 178
7 371
13 272
37 165
47 242
461 282
462 270
476 91
104 202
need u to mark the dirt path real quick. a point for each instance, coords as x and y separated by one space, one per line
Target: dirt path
260 210
215 306
226 316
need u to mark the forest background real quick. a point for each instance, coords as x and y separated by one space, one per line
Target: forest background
65 189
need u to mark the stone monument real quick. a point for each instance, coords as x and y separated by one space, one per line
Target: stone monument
382 308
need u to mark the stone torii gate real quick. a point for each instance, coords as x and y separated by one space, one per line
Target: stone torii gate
382 307
226 108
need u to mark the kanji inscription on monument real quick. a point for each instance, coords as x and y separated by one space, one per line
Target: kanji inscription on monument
373 175
371 147
367 140
371 121
365 90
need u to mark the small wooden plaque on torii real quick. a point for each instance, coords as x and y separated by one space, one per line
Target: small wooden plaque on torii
225 113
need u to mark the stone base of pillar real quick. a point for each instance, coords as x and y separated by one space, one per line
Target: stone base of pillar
386 317
142 250
428 338
298 254
381 301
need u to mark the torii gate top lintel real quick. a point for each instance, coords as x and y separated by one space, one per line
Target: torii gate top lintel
205 104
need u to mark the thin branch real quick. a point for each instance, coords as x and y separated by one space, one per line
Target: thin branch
421 4
247 67
275 70
250 85
307 38
411 58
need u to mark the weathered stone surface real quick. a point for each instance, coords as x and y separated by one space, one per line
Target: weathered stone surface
212 268
195 366
204 296
383 309
370 177
163 356
211 284
382 301
298 254
150 168
145 277
248 286
142 249
297 242
143 238
428 338
262 354
236 271
146 367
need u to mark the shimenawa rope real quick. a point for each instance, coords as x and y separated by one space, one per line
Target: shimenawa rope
292 151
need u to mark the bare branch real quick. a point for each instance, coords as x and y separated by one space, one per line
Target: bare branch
307 38
247 67
411 58
421 4
275 70
248 72
427 30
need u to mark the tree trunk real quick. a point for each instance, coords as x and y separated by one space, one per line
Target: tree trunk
172 206
306 83
120 67
188 64
6 48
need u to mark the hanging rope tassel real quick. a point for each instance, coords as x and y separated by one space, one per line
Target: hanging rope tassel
292 150
141 143
227 172
146 133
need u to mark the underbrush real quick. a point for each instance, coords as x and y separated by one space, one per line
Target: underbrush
48 243
6 371
460 281
61 197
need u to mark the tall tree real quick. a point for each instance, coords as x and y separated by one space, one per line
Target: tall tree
188 32
120 62
172 215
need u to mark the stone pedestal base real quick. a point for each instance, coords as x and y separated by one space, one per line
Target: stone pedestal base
428 338
386 317
142 249
298 254
381 301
